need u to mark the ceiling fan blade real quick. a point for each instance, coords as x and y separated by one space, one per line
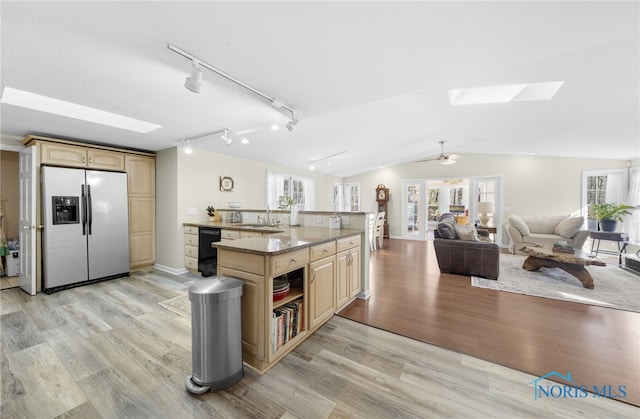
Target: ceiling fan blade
453 156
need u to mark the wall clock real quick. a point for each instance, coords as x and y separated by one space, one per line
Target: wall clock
226 183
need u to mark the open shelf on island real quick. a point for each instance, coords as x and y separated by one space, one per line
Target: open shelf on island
294 294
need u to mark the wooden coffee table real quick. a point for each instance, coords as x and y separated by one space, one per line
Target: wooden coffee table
572 263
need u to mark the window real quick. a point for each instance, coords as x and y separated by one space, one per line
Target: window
346 196
602 186
596 190
299 188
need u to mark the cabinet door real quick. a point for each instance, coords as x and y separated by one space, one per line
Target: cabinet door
229 234
354 272
103 159
63 155
245 234
254 324
142 175
342 280
142 243
321 292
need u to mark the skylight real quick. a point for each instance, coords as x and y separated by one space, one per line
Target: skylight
47 104
506 93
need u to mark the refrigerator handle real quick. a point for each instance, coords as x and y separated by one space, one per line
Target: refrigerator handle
90 210
84 212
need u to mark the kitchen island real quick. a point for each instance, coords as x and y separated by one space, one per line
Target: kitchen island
319 269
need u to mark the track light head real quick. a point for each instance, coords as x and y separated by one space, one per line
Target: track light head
225 138
194 82
292 123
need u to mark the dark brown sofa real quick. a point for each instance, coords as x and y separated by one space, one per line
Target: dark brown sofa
465 257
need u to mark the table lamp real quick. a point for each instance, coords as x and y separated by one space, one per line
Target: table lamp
485 208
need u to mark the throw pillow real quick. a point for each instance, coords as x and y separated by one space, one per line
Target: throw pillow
466 232
519 224
569 227
446 229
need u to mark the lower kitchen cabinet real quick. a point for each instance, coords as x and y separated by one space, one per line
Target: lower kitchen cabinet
311 301
348 271
322 289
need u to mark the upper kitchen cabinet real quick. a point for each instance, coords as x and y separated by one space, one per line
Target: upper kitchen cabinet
68 155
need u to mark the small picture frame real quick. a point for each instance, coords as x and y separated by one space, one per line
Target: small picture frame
226 183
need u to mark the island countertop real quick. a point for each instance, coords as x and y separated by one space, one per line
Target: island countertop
285 239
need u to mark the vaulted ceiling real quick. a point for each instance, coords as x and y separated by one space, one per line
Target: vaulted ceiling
368 80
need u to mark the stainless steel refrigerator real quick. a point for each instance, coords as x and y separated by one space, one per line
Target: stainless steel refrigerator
86 226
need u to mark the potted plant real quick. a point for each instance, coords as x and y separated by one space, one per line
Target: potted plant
609 214
285 202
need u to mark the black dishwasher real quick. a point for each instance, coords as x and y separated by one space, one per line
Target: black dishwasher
208 255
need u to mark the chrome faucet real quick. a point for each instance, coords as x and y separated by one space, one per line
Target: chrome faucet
268 216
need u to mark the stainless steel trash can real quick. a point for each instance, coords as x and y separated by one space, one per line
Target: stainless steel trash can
216 334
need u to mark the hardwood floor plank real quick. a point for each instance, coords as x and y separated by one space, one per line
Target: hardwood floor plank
129 358
113 396
18 332
79 356
411 297
45 383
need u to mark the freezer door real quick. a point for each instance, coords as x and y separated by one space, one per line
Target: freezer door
107 224
64 249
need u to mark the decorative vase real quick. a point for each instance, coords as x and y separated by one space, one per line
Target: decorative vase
608 225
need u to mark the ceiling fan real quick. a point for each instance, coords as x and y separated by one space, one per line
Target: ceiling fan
442 158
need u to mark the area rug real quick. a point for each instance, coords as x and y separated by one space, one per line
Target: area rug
179 305
614 287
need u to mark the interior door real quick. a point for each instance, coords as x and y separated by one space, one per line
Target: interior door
27 178
414 221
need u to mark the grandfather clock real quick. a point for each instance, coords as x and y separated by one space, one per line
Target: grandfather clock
382 196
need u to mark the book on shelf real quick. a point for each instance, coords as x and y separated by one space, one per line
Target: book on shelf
287 322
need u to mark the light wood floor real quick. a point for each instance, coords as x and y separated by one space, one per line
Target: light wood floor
108 350
409 296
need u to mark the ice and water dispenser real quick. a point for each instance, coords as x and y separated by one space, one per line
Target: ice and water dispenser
66 209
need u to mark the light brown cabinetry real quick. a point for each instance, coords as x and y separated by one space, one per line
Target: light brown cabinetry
67 155
142 210
229 234
348 271
191 248
321 290
313 277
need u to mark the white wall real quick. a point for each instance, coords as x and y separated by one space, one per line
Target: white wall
532 185
186 181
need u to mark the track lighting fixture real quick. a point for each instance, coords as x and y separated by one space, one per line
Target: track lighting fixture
292 123
194 82
311 164
225 138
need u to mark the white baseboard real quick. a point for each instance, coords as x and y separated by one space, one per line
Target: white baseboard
168 269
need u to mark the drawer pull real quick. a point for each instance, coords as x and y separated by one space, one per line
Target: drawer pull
294 260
